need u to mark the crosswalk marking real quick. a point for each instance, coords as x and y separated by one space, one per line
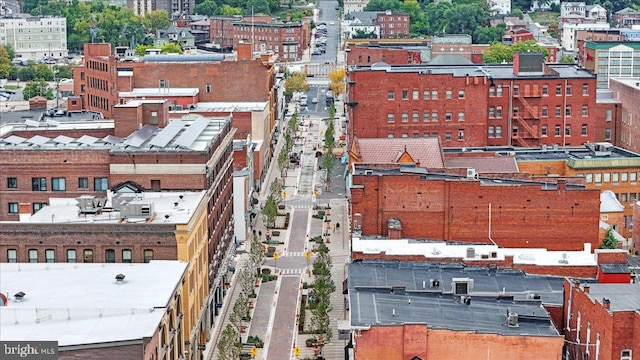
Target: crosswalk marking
293 253
291 271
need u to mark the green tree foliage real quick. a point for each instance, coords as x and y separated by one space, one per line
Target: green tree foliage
228 344
489 34
207 7
141 49
498 53
256 254
517 13
609 241
44 72
5 62
156 20
296 82
336 81
37 88
229 10
361 34
328 159
270 211
384 5
464 19
567 59
171 48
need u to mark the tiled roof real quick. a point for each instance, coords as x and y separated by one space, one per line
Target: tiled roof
425 151
484 164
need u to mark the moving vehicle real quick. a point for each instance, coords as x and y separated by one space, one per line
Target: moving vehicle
303 100
329 97
314 100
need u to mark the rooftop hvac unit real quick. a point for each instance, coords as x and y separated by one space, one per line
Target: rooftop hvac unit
137 210
512 320
465 300
434 283
471 174
90 204
534 296
119 200
471 253
461 286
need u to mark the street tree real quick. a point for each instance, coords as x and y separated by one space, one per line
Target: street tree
229 344
275 191
609 241
336 81
256 254
296 82
328 159
283 161
530 46
37 88
247 279
270 211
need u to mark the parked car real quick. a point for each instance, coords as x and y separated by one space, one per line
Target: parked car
317 52
332 23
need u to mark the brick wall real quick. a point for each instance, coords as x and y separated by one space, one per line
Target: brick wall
629 129
397 342
522 216
359 55
102 353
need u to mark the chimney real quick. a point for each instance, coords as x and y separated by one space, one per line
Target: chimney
586 288
24 209
562 185
516 63
606 303
288 17
244 51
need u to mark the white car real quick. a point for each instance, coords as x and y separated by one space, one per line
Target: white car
332 23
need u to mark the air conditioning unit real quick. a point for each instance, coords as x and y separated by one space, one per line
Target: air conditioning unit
461 286
368 172
434 283
534 296
137 210
191 106
471 174
512 320
465 300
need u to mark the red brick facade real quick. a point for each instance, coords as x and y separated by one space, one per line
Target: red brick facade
392 25
458 209
363 56
627 92
465 107
595 332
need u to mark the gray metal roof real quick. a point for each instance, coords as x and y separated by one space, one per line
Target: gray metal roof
389 292
614 268
623 297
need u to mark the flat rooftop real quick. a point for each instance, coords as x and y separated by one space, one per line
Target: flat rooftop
160 92
190 133
231 106
633 83
623 297
66 210
374 300
497 72
437 249
81 304
42 116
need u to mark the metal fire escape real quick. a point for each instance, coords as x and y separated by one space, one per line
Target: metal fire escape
526 119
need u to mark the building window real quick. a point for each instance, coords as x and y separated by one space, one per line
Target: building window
544 130
12 255
425 95
499 90
558 90
492 112
632 176
415 117
434 95
148 255
88 255
460 116
460 94
584 130
585 110
100 184
545 111
83 183
607 134
568 89
405 117
390 95
598 178
491 131
516 90
608 115
626 355
449 94
58 184
447 116
545 89
624 177
109 256
39 184
434 116
50 255
556 131
33 255
567 130
71 256
460 134
405 135
585 89
492 91
606 177
589 178
207 88
37 206
616 178
390 118
12 183
162 84
416 95
126 256
13 208
499 112
405 95
558 110
567 110
498 131
426 116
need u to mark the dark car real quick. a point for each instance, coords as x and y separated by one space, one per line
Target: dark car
317 52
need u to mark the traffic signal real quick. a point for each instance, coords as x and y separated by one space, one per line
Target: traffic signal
254 352
296 352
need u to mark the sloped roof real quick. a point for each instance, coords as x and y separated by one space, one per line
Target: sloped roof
450 59
425 151
627 11
609 203
484 164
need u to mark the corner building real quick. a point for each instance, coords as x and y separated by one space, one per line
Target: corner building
525 104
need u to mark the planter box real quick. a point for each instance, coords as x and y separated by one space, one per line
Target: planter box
276 233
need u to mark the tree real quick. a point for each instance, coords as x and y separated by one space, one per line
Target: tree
518 13
207 7
27 73
296 82
328 159
529 46
256 254
609 241
283 161
63 71
228 10
157 20
37 88
489 34
171 48
44 72
336 78
141 49
465 18
228 344
275 191
384 5
361 34
270 211
567 59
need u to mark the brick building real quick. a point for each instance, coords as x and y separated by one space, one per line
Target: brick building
627 92
287 39
430 311
527 103
582 36
471 208
516 35
392 25
601 320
